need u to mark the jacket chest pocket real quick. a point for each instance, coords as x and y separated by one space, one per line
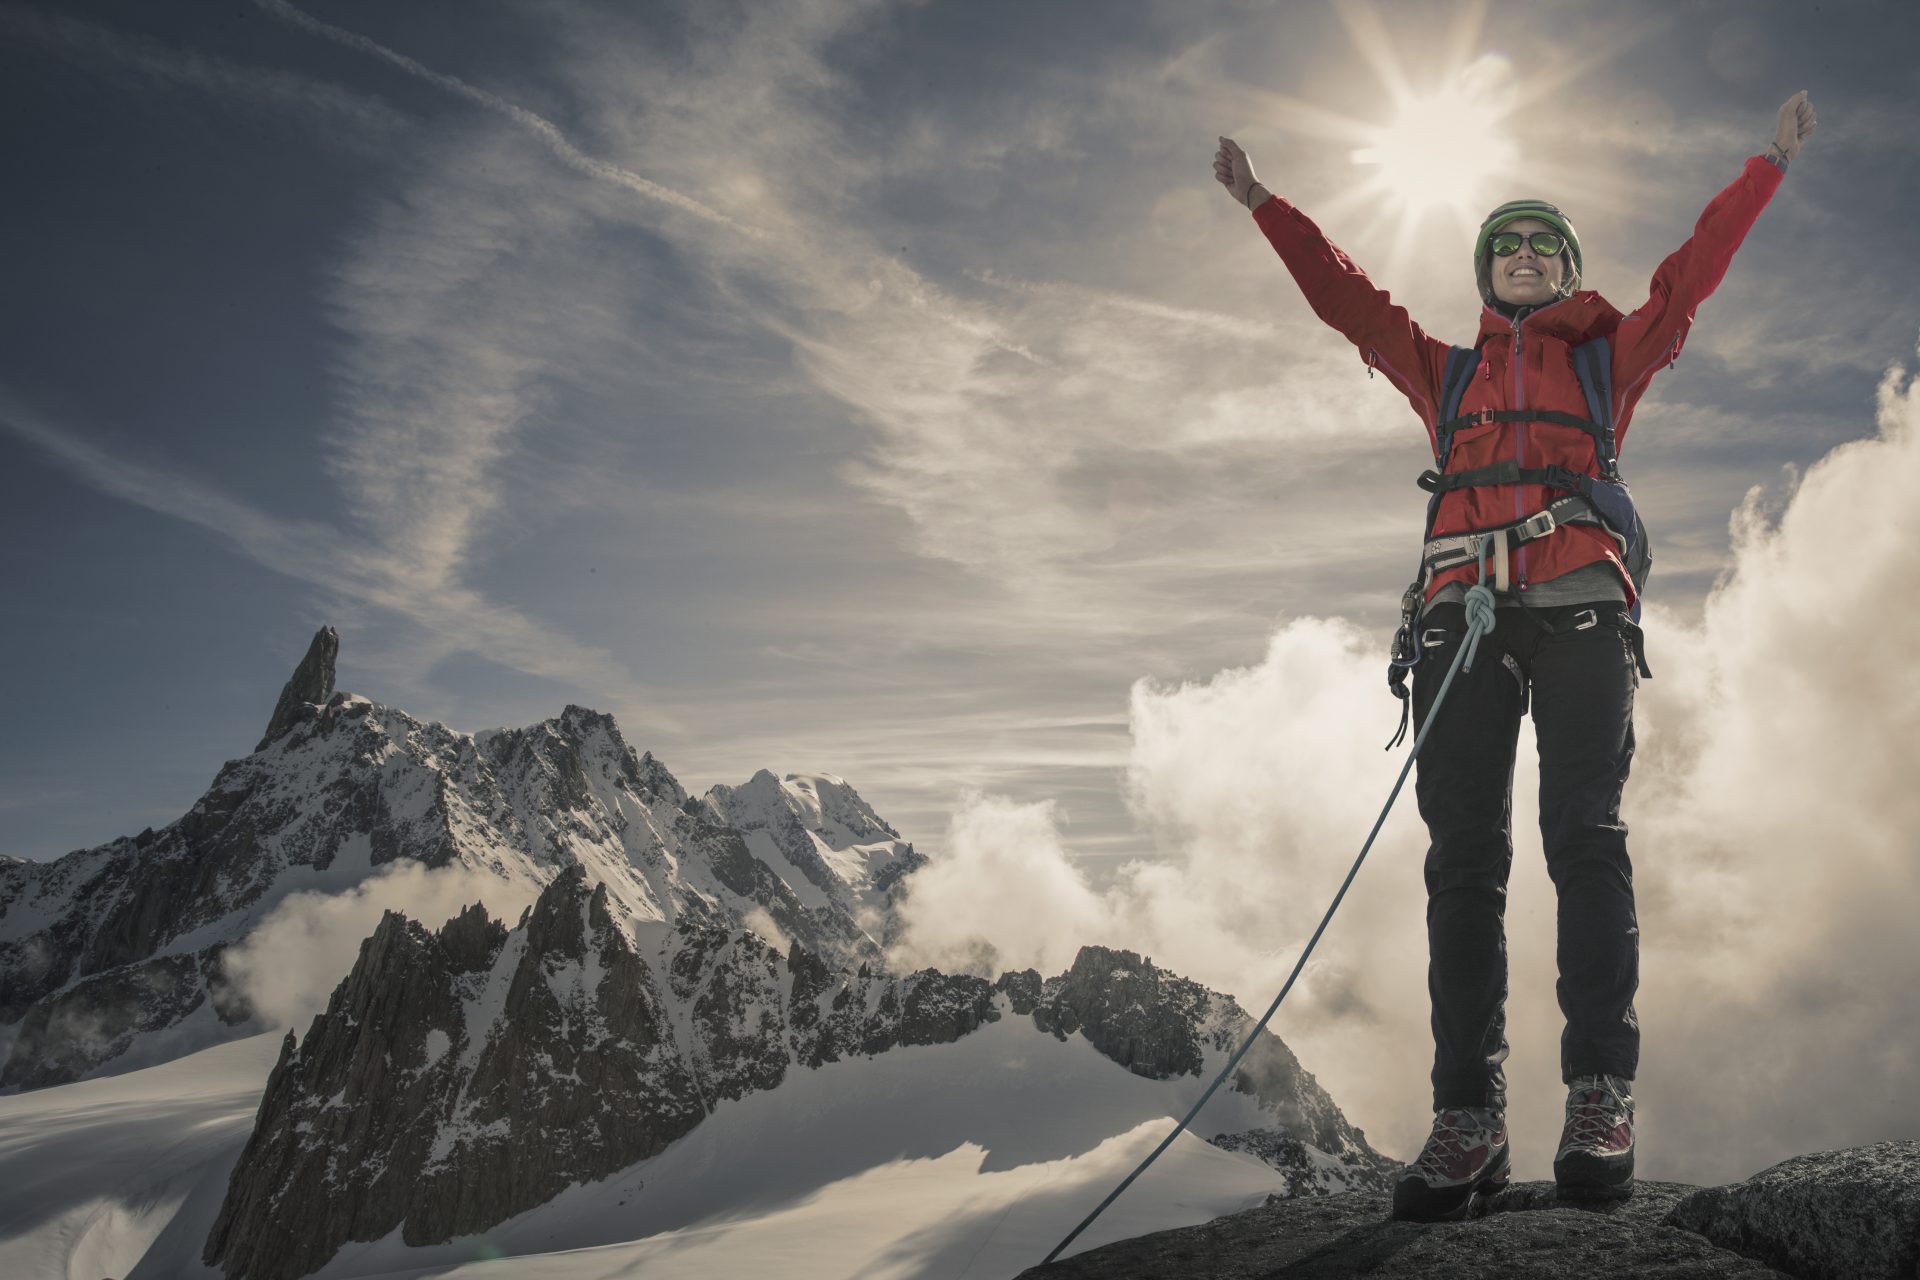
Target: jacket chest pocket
1477 446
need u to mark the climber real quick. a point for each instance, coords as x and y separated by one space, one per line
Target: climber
1525 426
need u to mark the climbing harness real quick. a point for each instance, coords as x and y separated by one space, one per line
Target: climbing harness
1480 618
1603 501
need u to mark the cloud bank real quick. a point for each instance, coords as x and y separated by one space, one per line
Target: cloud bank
1773 829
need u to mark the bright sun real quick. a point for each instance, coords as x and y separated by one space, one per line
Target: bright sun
1447 146
1447 149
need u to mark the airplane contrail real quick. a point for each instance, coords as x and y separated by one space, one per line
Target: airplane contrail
539 126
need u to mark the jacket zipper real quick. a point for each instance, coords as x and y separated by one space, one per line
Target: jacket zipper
1519 446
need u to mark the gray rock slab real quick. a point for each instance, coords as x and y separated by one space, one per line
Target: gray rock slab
1832 1215
1526 1234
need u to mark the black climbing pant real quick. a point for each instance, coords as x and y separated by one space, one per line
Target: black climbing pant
1579 666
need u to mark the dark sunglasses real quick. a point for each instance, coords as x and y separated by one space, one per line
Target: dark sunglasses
1507 243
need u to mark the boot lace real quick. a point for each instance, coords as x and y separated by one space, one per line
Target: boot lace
1590 1121
1451 1131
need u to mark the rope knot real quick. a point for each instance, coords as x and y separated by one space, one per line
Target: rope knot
1480 608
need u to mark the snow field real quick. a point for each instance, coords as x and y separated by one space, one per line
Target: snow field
964 1160
123 1176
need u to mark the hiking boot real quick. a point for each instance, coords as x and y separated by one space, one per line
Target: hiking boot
1465 1159
1595 1160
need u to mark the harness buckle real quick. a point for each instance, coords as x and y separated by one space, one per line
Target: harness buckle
1538 525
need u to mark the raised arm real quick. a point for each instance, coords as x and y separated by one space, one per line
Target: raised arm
1338 291
1652 336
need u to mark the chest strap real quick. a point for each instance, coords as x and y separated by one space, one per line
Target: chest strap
1508 472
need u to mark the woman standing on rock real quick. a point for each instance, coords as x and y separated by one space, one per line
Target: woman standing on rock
1525 424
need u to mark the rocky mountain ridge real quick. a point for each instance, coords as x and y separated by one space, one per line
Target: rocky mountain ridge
462 1076
114 956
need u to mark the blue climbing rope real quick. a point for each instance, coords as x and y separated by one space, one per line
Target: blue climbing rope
1480 619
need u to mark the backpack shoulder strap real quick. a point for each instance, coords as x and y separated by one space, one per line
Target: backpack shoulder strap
1461 363
1593 366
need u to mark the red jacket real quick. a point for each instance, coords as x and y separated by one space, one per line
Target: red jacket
1524 367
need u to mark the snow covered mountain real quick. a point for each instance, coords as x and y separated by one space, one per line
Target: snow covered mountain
694 1023
841 853
112 957
461 1077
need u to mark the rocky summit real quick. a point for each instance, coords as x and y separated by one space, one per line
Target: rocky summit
113 957
1852 1214
1160 1025
464 1075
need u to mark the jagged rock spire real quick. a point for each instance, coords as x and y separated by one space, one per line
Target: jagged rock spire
312 682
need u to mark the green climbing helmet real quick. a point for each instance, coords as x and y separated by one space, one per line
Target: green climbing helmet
1513 211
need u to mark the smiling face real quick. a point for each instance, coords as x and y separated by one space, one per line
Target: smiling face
1523 278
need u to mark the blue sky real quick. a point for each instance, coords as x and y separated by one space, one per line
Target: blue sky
873 389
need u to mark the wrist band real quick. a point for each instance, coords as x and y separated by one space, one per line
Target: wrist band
1250 193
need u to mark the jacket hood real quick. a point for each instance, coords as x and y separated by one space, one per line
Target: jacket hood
1576 318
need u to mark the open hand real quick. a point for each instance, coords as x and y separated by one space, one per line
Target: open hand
1794 126
1233 170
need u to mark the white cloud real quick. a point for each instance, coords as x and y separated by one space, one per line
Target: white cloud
291 962
1002 895
761 921
1783 874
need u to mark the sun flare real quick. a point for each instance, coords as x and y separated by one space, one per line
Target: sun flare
1449 139
1446 150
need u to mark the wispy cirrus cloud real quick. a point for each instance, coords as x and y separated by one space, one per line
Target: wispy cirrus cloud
418 479
532 122
995 417
450 310
451 618
463 302
356 119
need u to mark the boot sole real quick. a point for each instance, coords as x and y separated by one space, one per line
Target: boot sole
1582 1176
1422 1206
